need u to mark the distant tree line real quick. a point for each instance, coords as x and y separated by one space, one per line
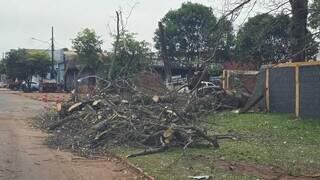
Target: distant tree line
193 35
132 55
22 64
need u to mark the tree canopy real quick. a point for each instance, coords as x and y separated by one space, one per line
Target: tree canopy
263 38
136 53
192 33
314 18
266 39
88 46
132 55
39 63
23 64
2 67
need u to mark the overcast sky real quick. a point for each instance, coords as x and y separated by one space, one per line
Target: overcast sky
22 20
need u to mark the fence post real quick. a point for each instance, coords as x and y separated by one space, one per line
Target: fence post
228 78
224 79
297 83
267 89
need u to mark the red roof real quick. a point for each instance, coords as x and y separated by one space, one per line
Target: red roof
234 65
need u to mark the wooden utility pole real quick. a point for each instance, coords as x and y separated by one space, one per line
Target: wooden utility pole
52 55
65 70
164 54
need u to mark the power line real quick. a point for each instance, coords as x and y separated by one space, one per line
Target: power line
52 74
44 42
61 44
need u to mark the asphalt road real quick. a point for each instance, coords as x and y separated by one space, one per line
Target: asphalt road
24 157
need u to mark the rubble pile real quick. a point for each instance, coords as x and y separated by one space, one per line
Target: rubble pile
127 113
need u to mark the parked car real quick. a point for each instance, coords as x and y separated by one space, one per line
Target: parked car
3 85
216 80
204 88
47 85
34 86
14 85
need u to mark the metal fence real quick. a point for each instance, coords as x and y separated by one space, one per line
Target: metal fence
290 88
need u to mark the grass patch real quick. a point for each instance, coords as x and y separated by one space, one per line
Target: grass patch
268 139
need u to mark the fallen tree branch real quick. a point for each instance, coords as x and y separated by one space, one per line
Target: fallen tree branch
148 152
57 124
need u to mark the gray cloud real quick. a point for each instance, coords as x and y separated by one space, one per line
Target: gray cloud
22 19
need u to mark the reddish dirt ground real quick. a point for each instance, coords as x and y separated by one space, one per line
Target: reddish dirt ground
50 97
24 157
264 172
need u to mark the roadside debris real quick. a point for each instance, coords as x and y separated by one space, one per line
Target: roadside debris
199 177
128 113
48 85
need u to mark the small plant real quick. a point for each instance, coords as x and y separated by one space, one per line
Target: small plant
215 70
236 82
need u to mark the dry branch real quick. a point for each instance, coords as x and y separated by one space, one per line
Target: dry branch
128 117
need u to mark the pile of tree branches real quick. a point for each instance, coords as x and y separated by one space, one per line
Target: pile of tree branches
127 115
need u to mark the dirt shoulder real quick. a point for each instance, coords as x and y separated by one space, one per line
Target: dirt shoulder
23 155
49 97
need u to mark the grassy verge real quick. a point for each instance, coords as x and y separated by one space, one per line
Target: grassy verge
274 140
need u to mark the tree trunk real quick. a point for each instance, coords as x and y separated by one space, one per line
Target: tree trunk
163 52
298 29
115 47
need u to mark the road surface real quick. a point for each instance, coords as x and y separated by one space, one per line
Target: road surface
24 157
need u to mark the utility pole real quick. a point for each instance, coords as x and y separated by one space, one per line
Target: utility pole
52 55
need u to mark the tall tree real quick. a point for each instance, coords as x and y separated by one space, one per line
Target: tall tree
88 46
190 33
22 64
223 41
314 18
38 62
263 39
299 34
15 65
2 67
299 30
266 39
131 56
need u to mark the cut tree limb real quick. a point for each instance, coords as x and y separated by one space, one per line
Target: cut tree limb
148 151
60 123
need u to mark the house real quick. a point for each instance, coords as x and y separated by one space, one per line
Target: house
59 63
243 73
3 78
71 72
179 72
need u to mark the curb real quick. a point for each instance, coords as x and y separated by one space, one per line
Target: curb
129 165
